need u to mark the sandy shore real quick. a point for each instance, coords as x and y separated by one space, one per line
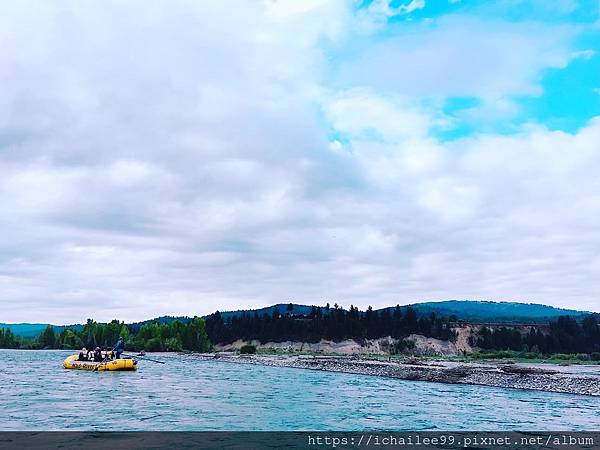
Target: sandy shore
516 376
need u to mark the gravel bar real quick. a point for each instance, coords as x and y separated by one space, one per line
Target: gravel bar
515 376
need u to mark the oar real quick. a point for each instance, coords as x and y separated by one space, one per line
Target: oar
147 359
98 366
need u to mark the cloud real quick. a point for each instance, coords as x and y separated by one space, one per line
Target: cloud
384 7
460 56
584 54
360 112
178 160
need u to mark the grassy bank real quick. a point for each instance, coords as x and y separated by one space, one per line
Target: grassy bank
529 357
505 356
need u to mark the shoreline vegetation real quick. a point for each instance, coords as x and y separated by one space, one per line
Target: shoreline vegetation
175 336
392 333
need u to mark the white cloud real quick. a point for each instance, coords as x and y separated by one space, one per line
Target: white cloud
359 112
460 56
376 15
385 8
450 199
584 54
177 160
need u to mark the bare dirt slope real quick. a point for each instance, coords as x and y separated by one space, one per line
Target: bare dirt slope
381 346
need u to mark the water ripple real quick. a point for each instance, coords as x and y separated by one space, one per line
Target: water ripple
188 394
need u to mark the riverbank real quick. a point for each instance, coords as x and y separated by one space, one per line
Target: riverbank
515 376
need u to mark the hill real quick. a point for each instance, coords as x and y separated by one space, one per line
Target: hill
162 320
297 310
500 312
31 330
467 310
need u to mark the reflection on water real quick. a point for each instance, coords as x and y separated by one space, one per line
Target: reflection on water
188 394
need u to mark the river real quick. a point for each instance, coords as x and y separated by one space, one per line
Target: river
188 394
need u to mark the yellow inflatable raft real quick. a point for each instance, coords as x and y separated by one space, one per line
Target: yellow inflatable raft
115 364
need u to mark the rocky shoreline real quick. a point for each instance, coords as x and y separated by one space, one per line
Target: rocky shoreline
514 376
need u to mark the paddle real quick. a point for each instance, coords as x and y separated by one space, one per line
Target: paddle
103 361
148 359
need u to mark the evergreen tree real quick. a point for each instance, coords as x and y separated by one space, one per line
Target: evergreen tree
47 339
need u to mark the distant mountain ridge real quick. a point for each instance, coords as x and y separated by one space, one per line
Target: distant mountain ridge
31 330
467 310
297 310
486 311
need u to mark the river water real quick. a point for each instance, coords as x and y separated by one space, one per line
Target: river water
36 393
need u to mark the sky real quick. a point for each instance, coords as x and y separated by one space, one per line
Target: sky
175 158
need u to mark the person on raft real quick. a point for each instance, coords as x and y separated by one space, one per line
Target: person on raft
83 355
119 347
98 355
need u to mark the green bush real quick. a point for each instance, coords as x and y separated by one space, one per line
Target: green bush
402 346
529 355
583 357
562 356
494 354
248 349
595 356
153 345
173 345
501 354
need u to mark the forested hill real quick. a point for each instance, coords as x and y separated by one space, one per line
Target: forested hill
289 308
31 330
26 330
498 312
563 331
565 334
466 310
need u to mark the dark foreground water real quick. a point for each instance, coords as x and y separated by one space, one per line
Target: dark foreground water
36 393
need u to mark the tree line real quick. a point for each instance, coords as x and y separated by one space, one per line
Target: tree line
565 335
329 323
151 336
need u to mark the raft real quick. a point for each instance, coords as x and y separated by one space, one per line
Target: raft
115 364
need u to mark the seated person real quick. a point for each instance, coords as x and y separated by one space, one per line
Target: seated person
98 355
83 355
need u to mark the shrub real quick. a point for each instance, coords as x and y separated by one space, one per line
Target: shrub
403 346
501 354
583 357
173 345
248 349
595 356
493 354
562 356
529 355
153 345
